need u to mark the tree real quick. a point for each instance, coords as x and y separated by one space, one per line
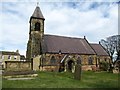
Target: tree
112 44
118 47
109 47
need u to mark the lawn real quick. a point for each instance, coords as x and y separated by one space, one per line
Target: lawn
65 80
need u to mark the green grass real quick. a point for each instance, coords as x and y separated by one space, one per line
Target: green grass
65 80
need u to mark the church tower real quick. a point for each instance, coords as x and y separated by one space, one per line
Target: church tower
36 34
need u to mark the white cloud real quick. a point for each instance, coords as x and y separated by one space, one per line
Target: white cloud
92 23
60 19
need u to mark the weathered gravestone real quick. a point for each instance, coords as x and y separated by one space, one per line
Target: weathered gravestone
77 73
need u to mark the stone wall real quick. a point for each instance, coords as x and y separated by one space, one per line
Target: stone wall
18 65
105 58
47 66
88 67
84 58
12 58
51 68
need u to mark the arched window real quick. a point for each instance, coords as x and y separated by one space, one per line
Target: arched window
90 60
53 60
37 26
105 59
79 60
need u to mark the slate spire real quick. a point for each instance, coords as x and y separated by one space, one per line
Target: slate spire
37 13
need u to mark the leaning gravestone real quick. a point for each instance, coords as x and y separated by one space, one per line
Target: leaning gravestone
77 73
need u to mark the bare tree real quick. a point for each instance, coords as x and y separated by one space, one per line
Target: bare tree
112 44
118 47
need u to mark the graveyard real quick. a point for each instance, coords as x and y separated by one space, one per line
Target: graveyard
63 60
89 79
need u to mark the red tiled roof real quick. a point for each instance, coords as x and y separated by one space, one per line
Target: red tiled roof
54 44
99 50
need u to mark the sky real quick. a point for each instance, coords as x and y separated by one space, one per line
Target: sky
94 19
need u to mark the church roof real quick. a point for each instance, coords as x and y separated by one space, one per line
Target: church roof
37 13
54 44
99 50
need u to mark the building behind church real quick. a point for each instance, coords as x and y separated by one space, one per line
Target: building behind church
10 56
60 53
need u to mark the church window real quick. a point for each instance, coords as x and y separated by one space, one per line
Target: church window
105 59
90 60
37 26
53 60
79 60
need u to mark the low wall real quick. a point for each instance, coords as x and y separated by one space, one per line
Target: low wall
51 68
18 65
88 67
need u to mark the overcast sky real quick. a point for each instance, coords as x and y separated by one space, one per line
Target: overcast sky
94 19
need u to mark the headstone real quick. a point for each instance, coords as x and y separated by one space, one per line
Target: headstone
77 73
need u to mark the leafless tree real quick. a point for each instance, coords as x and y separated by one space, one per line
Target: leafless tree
112 44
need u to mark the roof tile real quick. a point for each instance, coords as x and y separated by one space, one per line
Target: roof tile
53 44
99 49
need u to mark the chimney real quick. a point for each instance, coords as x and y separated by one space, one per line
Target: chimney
17 51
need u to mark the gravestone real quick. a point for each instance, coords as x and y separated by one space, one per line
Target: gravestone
77 73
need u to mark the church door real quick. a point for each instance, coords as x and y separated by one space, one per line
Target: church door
70 66
62 67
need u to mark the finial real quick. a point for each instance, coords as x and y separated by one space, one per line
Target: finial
84 37
37 3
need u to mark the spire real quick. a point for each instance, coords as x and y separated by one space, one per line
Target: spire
37 13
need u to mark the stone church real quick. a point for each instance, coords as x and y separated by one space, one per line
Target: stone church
60 53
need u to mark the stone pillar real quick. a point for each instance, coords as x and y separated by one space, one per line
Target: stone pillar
65 66
77 73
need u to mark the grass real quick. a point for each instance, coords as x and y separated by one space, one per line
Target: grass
66 80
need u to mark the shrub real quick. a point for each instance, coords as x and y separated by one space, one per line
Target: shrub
104 65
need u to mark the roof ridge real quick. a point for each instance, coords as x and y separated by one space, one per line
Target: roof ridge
63 36
94 43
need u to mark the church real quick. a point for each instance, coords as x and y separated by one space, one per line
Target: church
60 53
